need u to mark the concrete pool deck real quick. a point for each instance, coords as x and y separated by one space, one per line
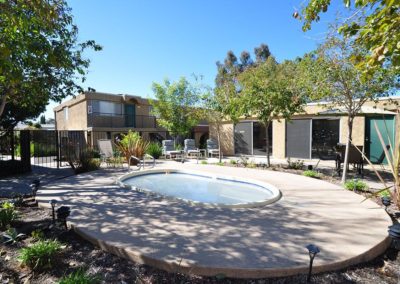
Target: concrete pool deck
266 241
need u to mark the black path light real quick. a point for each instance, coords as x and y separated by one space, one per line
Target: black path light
312 252
62 214
386 202
53 204
35 186
394 233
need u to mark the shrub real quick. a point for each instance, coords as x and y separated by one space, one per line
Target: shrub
232 162
296 165
79 277
244 161
11 236
154 150
311 173
251 165
87 162
385 193
8 214
132 144
37 234
40 255
355 185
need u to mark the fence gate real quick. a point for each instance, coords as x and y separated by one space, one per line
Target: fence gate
44 148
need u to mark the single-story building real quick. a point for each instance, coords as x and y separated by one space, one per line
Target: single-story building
313 133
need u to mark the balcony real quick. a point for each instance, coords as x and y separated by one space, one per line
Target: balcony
121 120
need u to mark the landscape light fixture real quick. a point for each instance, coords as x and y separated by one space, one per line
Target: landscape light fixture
53 203
394 233
34 187
386 202
312 252
62 214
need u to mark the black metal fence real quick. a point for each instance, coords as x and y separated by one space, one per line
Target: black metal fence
51 148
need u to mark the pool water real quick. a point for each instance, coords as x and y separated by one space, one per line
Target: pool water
199 188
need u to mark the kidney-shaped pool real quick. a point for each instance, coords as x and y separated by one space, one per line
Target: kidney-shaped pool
202 188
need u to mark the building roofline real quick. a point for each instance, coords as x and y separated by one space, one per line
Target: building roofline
101 95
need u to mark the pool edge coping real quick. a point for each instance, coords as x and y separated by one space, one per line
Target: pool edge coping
237 272
276 192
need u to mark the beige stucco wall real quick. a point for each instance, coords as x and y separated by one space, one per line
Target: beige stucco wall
279 139
358 130
77 117
227 138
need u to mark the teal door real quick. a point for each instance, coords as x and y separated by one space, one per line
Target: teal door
373 146
130 116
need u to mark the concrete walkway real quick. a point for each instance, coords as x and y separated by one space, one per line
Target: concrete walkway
19 184
248 243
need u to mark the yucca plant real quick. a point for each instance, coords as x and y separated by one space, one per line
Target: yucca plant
11 236
132 144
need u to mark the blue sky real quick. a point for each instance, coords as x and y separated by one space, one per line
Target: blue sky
146 41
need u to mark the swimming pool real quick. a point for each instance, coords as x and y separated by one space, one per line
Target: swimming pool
202 188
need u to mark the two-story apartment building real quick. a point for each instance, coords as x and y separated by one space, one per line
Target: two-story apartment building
103 116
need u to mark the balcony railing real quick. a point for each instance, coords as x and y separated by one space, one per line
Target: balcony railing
112 120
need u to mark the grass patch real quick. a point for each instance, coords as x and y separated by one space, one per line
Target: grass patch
311 173
355 185
204 162
221 164
80 277
40 255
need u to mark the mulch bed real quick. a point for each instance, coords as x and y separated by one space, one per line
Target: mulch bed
79 253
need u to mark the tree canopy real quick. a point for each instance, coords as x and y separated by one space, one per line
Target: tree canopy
268 92
176 105
40 56
375 24
332 75
227 87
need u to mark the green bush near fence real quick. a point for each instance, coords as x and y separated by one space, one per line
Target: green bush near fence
38 150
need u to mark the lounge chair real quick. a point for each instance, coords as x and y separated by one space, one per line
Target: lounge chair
168 149
106 151
190 148
212 148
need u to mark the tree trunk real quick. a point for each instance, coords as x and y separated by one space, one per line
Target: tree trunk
3 104
267 142
348 144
